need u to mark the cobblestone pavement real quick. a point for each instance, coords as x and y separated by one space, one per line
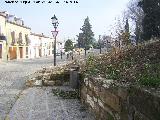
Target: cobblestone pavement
13 75
40 104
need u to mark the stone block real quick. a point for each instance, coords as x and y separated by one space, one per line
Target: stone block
84 92
100 103
57 76
30 83
74 79
122 93
85 79
48 71
95 99
113 101
96 90
105 115
46 77
41 71
90 92
96 110
38 83
39 77
90 101
86 82
48 83
139 116
91 85
102 93
58 82
145 102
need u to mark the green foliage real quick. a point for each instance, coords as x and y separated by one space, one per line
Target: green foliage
85 38
112 72
66 94
150 75
96 45
91 65
68 45
110 117
80 40
151 21
139 64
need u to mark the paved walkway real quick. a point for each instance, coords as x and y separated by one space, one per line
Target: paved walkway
40 104
13 75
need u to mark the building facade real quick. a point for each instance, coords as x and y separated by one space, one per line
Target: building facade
40 46
18 42
3 41
35 48
16 37
47 46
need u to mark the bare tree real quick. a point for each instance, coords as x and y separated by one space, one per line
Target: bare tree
136 14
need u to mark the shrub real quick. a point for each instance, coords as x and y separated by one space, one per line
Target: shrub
139 63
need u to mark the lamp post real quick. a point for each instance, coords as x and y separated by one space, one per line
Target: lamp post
54 33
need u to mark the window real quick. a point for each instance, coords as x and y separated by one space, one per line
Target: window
27 40
20 38
52 45
26 50
13 37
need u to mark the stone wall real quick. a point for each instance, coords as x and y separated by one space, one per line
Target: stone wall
117 102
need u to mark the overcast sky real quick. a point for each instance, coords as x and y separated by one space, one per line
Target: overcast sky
70 15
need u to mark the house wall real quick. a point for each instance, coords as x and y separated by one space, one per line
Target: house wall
20 48
2 25
47 46
35 46
40 45
3 47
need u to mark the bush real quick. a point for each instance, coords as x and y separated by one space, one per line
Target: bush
139 63
150 75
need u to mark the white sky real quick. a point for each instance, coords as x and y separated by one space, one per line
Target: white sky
102 14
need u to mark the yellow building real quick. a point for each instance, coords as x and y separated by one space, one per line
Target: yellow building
17 41
3 48
17 38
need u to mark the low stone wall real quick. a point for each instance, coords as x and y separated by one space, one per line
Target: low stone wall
53 76
116 102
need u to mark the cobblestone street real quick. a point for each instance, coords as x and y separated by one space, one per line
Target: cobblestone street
13 75
41 104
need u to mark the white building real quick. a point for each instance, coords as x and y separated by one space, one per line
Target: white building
41 45
47 46
35 45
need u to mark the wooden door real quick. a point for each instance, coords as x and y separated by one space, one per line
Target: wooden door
0 51
21 52
13 53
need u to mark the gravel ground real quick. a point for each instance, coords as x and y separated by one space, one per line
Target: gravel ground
13 75
40 104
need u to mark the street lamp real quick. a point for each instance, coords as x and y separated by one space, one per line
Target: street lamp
55 33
